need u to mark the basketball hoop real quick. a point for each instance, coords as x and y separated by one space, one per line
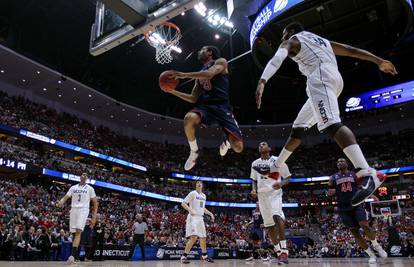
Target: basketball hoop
164 38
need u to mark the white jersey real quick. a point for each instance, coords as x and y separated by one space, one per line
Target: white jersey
264 183
81 195
196 201
314 50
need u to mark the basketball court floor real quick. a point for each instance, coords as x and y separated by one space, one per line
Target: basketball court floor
395 262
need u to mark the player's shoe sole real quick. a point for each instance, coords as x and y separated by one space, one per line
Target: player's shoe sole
224 148
191 161
371 180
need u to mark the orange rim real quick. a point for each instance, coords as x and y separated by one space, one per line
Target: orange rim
165 24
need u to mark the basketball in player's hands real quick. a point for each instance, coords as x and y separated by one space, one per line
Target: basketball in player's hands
167 81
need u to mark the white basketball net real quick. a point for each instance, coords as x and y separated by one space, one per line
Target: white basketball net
164 38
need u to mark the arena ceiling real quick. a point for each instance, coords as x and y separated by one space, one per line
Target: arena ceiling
56 34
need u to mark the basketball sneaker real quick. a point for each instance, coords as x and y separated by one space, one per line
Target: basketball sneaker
283 258
250 259
191 161
381 251
224 147
371 254
71 260
371 180
184 260
206 258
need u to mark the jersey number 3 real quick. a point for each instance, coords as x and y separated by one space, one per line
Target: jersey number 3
346 187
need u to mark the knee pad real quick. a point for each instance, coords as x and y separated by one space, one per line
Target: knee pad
332 129
297 132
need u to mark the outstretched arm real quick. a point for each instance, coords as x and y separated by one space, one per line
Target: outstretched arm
192 98
219 67
350 51
271 68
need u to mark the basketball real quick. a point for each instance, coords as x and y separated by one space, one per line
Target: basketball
167 83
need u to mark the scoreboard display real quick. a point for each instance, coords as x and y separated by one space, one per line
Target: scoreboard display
392 95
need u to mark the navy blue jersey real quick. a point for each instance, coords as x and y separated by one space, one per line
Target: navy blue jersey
345 184
257 219
215 90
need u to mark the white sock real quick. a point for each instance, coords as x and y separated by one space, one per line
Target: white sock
355 155
375 243
193 145
283 156
283 244
277 248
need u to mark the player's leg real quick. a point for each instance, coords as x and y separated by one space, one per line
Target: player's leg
304 120
363 244
188 246
201 231
362 218
324 91
349 219
191 120
232 134
279 219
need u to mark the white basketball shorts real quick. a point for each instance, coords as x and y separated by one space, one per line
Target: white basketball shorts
270 203
324 86
195 226
78 217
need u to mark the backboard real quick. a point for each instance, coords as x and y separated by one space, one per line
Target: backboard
112 26
387 208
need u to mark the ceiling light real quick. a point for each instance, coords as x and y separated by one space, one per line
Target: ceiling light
216 17
59 96
45 89
217 36
59 81
126 120
1 71
38 72
24 80
123 109
74 102
90 95
74 88
138 115
92 109
112 116
182 14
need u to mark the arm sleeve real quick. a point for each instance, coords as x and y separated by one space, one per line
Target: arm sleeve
274 64
189 197
70 192
285 171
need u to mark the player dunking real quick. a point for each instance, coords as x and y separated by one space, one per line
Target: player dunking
211 95
316 59
343 184
195 203
269 193
82 194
